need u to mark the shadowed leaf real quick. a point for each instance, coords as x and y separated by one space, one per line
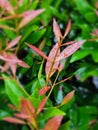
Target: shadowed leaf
54 123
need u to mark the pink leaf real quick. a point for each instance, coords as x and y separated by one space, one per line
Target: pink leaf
21 115
68 97
28 16
43 90
68 51
41 105
22 64
56 30
50 66
67 28
53 123
5 4
26 106
13 43
37 51
13 68
14 120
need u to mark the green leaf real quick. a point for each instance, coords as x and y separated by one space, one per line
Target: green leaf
86 10
65 126
34 37
95 55
3 114
50 112
86 70
27 31
14 90
79 55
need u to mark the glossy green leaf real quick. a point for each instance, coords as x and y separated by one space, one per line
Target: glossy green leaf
79 55
34 37
65 126
50 112
14 90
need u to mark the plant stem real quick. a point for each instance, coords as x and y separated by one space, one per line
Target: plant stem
53 85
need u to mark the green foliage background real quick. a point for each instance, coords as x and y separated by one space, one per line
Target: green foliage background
83 64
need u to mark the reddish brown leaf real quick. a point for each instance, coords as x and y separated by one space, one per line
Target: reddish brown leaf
14 120
53 123
68 97
28 16
43 90
12 107
67 28
37 51
41 105
68 51
13 43
56 30
5 4
51 67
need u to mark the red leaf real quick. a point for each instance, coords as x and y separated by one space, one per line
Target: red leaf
14 120
53 123
68 51
41 105
29 15
68 97
5 4
37 51
56 30
43 90
50 66
13 43
67 28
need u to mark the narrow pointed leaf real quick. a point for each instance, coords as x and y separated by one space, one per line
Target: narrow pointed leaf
44 90
56 30
14 120
54 123
68 51
13 43
38 51
51 67
5 4
67 28
28 16
68 97
41 105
